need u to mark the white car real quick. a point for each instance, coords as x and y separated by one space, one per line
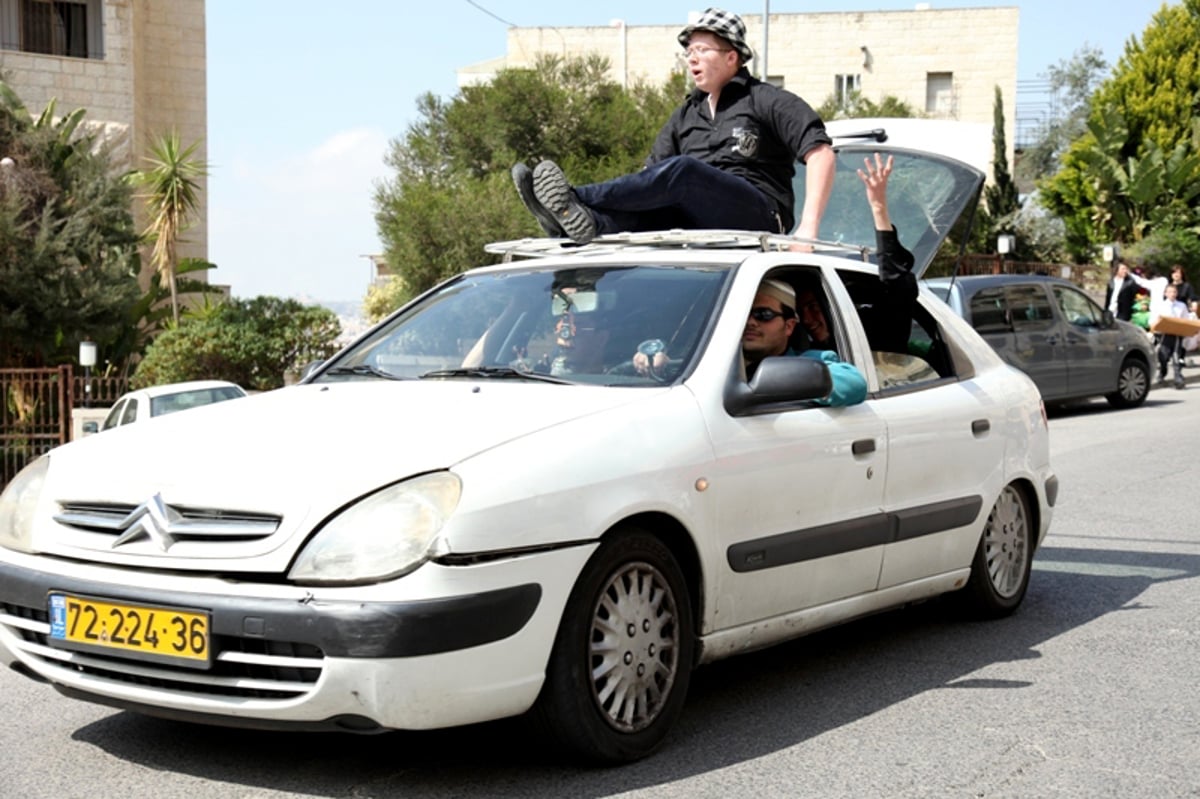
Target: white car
145 403
495 513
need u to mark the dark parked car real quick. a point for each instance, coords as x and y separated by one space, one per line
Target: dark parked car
1049 329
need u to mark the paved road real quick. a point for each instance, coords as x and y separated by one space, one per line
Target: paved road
1089 691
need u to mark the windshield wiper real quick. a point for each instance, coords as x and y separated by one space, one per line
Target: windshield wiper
363 370
495 371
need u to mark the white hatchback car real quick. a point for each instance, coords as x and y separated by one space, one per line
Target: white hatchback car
501 515
145 403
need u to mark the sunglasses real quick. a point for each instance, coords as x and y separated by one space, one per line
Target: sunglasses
763 314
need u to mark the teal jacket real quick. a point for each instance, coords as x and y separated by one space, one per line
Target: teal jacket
849 385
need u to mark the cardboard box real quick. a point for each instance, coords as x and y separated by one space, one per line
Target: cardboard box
1173 326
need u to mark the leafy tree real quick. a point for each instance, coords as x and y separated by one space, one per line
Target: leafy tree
68 247
452 193
1165 247
1105 195
1072 83
1000 196
250 342
858 107
151 314
171 185
1134 170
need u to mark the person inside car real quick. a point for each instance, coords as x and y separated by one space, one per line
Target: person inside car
768 333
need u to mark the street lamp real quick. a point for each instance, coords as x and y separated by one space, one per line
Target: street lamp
87 359
1005 244
1111 253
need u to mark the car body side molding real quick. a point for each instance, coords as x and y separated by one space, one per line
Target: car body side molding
866 531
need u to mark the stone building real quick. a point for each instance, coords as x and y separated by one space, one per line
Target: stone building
945 63
136 66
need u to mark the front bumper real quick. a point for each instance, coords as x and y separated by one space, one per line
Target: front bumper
469 644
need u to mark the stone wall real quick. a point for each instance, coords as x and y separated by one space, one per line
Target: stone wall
892 52
150 79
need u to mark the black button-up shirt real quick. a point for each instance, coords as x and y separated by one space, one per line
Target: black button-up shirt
759 133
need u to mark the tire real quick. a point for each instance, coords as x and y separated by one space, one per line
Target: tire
1133 385
622 660
1003 559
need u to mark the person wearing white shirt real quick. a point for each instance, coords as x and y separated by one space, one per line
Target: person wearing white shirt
1121 290
1170 348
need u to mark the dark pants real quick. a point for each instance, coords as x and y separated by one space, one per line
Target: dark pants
680 192
1170 351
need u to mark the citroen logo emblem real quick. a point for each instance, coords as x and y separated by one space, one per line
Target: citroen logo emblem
151 519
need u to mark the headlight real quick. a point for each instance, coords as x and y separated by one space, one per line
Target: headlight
18 503
383 535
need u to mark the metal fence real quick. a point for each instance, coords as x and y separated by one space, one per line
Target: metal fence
35 410
1086 276
35 415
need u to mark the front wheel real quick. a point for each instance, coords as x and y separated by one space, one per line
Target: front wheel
1133 385
622 660
1004 557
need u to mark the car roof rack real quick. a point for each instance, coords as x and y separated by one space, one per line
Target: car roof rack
677 238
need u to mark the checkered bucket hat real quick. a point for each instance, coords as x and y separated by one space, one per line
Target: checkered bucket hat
724 24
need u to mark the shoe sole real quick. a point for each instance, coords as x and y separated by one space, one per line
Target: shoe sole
554 192
522 177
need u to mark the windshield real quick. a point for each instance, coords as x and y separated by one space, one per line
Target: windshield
581 325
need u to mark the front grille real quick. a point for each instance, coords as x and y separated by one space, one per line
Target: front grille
255 668
175 522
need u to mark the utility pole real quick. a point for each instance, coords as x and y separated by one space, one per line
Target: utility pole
762 64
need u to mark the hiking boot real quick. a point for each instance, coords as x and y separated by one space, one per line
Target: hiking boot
523 179
554 192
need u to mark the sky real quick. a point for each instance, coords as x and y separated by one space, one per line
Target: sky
305 96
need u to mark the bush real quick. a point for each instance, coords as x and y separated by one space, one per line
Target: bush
249 342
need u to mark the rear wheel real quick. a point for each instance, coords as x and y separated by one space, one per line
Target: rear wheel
621 663
1133 385
1000 570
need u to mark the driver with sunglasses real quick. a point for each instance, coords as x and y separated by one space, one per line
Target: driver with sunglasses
768 331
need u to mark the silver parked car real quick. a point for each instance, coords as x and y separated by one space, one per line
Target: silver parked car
1051 330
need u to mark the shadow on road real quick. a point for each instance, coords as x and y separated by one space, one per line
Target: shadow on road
739 709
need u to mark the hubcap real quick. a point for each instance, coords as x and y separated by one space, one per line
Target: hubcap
1133 382
1006 543
633 647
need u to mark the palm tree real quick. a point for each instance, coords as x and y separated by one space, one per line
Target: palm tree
172 194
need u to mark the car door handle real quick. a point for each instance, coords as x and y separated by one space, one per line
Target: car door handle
863 446
980 426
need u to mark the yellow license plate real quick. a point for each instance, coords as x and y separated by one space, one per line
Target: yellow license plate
163 634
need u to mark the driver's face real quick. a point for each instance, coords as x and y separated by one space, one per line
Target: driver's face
763 339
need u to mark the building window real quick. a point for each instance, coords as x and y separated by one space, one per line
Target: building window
53 27
939 94
845 87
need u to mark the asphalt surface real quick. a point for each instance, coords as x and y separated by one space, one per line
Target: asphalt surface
1090 690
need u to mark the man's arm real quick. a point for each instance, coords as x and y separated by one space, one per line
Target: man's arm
818 184
849 385
888 321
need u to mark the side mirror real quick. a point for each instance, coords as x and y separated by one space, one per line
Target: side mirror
1107 319
91 427
779 380
309 368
